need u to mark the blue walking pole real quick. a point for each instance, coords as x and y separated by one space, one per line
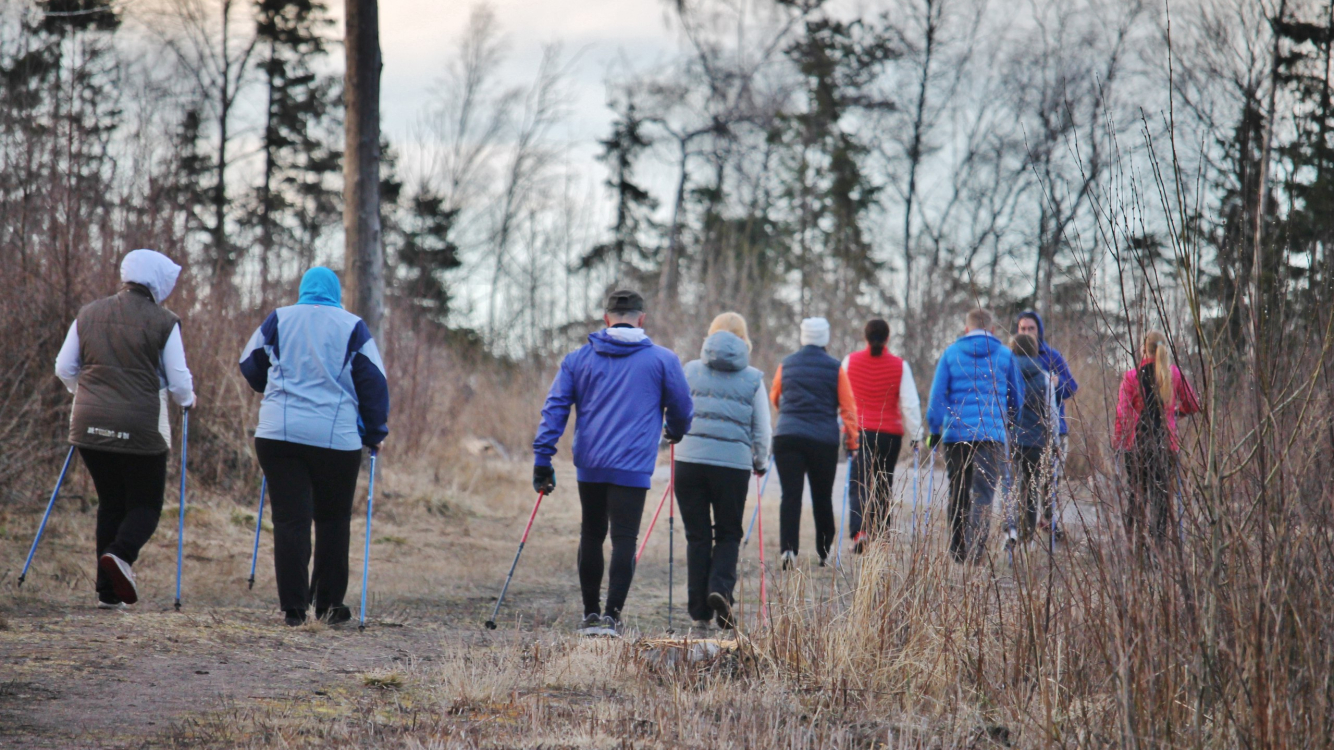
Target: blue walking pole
1055 475
49 504
756 514
916 472
930 487
180 519
366 558
847 482
259 523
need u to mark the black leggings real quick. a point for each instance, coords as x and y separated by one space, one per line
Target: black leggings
309 484
1033 471
873 481
620 509
796 458
129 504
711 543
1152 475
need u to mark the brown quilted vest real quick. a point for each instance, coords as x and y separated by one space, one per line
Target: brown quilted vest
119 405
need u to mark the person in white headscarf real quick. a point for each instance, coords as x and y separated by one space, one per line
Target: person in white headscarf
811 392
122 358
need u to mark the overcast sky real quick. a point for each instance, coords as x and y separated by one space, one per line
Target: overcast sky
419 36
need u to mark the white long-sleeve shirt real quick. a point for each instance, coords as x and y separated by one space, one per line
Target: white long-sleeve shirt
173 373
910 404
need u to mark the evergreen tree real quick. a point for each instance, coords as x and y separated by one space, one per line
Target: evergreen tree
634 204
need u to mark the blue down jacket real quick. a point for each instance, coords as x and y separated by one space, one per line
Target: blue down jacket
619 385
977 391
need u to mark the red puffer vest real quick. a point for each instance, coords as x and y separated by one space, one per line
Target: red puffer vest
875 384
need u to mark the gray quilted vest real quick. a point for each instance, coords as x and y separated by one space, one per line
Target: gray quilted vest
723 387
808 406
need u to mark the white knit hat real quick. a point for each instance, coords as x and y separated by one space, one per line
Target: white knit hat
815 331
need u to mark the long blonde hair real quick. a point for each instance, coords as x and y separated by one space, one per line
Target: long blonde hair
732 323
1155 347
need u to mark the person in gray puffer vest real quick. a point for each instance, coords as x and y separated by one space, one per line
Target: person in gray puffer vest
727 441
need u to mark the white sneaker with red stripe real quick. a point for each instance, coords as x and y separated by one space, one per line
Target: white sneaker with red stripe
121 576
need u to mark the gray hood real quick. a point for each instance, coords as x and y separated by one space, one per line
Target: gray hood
725 351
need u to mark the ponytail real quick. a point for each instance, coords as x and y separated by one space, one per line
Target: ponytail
1155 346
877 334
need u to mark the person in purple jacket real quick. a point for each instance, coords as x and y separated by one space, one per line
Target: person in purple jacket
620 383
1050 359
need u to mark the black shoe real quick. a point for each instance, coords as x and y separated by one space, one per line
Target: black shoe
334 615
591 624
121 576
722 609
294 617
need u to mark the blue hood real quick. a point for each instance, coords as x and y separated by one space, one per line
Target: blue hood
320 287
1042 330
979 345
610 344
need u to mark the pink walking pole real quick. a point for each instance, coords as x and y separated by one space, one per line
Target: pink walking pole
653 522
759 520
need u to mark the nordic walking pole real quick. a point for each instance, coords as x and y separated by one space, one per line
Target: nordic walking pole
847 482
746 540
366 556
180 517
764 598
49 504
259 522
916 472
671 538
653 522
491 623
930 488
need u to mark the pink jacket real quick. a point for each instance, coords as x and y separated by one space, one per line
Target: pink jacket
1131 402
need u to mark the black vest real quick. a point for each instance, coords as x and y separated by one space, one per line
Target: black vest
808 406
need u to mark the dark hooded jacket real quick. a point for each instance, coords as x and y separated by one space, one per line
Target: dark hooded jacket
1052 361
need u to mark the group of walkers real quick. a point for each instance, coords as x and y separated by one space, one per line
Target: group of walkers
325 398
995 411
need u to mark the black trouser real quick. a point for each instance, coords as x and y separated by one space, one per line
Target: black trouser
1151 474
620 509
873 481
129 504
973 470
309 484
711 543
1032 485
797 458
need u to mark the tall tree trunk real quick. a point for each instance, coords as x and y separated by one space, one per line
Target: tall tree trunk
363 260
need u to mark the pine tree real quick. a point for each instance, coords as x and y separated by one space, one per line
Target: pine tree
634 204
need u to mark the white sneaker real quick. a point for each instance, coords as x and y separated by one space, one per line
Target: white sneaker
789 560
118 606
122 578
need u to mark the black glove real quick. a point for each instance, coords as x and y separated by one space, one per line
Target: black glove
762 472
544 479
669 437
933 441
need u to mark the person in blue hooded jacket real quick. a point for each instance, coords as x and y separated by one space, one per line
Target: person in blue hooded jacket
1050 359
975 395
325 398
620 384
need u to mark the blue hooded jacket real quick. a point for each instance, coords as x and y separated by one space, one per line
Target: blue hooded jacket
1052 361
319 370
976 392
619 383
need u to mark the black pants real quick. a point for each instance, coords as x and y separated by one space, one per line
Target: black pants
1151 474
1032 483
129 504
712 543
797 458
620 509
973 470
309 484
873 481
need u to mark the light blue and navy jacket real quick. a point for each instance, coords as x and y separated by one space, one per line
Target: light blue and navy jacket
1052 361
731 425
977 391
619 383
319 370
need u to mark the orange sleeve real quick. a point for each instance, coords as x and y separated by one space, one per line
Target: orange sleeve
847 408
776 392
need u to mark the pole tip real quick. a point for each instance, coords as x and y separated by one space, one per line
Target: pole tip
178 605
21 580
251 584
361 628
490 624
